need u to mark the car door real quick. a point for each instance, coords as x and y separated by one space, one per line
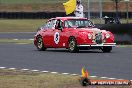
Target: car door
59 35
47 34
49 38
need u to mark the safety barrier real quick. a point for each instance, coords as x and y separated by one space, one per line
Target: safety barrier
47 15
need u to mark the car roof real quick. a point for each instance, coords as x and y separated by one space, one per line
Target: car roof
67 18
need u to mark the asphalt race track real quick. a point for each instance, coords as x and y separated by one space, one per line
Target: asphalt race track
20 35
117 64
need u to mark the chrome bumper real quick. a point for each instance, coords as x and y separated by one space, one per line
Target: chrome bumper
98 45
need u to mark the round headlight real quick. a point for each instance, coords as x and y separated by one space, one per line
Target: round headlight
89 36
107 35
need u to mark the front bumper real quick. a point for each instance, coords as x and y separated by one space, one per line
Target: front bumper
98 45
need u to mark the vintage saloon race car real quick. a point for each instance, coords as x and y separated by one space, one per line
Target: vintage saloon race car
74 34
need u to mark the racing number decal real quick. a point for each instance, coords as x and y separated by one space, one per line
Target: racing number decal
56 38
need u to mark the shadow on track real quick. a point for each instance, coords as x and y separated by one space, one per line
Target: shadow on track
66 51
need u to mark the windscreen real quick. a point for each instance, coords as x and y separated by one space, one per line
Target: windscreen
78 23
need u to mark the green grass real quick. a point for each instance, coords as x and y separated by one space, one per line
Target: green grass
20 25
21 79
26 25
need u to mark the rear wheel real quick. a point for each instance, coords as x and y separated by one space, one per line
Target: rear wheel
40 44
72 45
107 49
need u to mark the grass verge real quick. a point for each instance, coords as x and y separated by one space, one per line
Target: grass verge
21 79
29 25
20 25
24 41
18 79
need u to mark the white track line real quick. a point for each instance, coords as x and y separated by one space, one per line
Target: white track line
111 78
54 72
12 68
65 73
103 77
35 70
93 76
45 71
24 69
58 72
74 74
30 39
2 67
15 39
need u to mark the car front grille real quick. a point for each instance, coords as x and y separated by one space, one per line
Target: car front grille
98 38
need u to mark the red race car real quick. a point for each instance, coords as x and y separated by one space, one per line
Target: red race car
74 34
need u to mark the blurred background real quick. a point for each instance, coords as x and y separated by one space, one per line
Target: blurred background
28 15
45 9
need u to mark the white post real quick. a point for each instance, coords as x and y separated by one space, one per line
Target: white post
88 9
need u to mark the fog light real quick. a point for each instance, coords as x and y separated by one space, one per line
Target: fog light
89 36
107 35
104 41
93 41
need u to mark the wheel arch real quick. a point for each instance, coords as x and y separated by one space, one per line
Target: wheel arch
72 37
38 36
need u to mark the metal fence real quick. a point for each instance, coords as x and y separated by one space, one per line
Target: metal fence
97 9
94 9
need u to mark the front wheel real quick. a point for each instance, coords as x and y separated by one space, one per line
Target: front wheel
72 45
40 44
107 49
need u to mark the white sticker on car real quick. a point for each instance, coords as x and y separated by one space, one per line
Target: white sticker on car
56 37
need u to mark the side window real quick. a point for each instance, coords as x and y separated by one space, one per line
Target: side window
53 23
50 24
59 24
69 23
47 25
66 24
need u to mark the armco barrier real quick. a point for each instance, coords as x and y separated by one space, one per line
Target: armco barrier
122 32
31 15
47 15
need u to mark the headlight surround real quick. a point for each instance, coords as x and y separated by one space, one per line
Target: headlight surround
107 35
89 36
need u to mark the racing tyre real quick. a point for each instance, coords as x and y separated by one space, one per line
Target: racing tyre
40 44
72 45
107 49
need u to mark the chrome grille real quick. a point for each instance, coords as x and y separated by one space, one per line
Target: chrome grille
98 38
